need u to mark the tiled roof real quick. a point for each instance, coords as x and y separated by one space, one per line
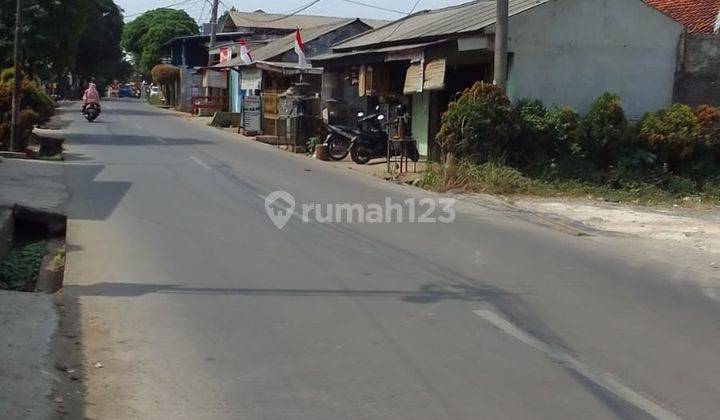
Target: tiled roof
698 16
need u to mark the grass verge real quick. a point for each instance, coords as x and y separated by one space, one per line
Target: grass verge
494 178
20 268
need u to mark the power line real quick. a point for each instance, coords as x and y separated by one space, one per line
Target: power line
284 15
401 21
202 13
372 6
180 3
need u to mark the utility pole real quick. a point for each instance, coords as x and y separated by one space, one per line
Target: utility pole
213 28
501 44
15 134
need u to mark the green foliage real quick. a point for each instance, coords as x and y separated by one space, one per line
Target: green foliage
51 33
547 134
8 74
566 128
165 74
606 132
671 156
488 177
708 122
672 134
311 143
36 108
144 36
480 125
22 264
534 143
99 53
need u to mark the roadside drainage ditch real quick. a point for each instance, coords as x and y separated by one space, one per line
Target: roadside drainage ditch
32 250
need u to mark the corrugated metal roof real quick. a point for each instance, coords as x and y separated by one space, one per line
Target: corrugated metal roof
429 24
289 22
336 55
287 43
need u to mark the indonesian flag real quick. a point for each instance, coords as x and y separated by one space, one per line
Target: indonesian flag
245 52
300 49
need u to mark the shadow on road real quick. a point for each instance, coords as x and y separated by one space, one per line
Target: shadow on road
92 200
131 140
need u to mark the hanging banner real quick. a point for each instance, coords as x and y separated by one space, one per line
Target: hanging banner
434 76
215 79
225 54
250 79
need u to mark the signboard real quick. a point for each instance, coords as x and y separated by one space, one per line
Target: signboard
195 90
473 43
250 79
215 79
412 55
252 114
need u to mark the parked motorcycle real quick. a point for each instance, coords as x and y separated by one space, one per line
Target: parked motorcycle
91 111
364 143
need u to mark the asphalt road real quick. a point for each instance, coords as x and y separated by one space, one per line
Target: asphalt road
193 304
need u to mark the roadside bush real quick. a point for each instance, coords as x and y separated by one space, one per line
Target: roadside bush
165 74
488 177
672 135
36 108
534 144
606 132
566 128
708 121
480 125
7 75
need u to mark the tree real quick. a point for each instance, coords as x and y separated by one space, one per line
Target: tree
51 31
144 36
99 53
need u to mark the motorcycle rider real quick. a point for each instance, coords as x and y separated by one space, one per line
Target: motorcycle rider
91 95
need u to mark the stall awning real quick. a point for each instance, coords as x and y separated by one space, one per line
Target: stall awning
393 49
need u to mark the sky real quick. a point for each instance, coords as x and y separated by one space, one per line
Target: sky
200 9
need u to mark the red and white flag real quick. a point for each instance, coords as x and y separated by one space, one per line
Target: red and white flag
300 49
245 52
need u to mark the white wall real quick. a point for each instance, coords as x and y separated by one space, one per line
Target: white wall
568 52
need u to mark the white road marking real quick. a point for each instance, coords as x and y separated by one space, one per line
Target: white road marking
598 378
161 140
199 162
139 127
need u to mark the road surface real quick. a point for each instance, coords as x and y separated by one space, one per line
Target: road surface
192 304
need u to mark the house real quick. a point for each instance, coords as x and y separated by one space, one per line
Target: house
698 16
192 53
698 72
274 67
274 25
560 51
